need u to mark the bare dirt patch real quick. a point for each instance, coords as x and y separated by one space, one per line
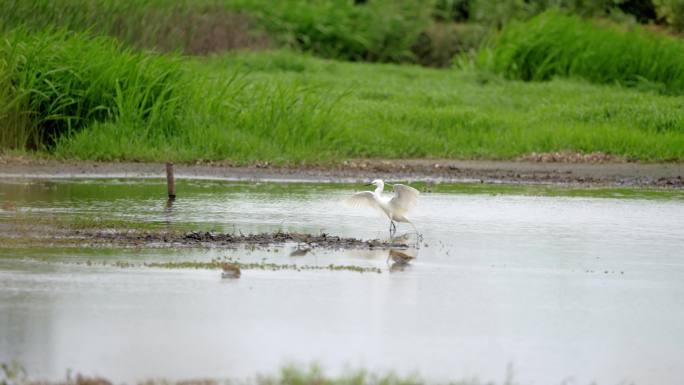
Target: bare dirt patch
570 157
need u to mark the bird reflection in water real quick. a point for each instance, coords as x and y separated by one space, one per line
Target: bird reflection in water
300 251
401 257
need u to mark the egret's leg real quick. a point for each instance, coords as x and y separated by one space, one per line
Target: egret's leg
414 227
419 236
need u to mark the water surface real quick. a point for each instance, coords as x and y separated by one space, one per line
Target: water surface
561 288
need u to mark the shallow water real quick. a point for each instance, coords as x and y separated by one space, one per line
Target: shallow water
588 289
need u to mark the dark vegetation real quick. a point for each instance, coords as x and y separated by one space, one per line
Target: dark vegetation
375 30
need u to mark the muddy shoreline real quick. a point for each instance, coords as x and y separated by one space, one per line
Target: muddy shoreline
665 175
31 236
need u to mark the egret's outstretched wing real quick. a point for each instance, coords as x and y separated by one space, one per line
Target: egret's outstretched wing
361 199
404 199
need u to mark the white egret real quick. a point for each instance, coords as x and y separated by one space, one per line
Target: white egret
395 207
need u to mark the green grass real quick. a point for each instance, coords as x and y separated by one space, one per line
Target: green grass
56 83
294 108
553 44
110 103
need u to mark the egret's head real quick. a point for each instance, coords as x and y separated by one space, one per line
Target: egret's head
376 183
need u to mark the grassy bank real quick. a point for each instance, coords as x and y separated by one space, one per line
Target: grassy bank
110 103
289 108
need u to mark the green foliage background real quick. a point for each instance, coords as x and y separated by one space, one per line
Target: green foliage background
112 80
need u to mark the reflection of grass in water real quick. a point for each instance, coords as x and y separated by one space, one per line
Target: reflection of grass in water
95 222
553 190
125 196
76 222
550 190
27 223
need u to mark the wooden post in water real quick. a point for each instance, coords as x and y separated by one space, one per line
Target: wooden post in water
170 182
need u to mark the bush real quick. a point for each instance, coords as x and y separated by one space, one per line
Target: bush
498 13
379 30
553 44
672 11
452 10
440 42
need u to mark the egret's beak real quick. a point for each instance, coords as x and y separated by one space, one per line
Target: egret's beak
368 184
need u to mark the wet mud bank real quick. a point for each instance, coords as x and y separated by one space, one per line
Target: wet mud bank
667 175
214 239
35 236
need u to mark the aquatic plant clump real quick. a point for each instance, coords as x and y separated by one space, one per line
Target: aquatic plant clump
231 268
263 265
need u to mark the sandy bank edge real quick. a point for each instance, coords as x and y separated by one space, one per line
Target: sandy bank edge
669 175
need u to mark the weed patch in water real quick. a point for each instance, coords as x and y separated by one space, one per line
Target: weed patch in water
14 374
263 265
235 266
546 190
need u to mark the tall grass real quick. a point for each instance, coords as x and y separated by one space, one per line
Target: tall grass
227 118
88 97
56 83
553 44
